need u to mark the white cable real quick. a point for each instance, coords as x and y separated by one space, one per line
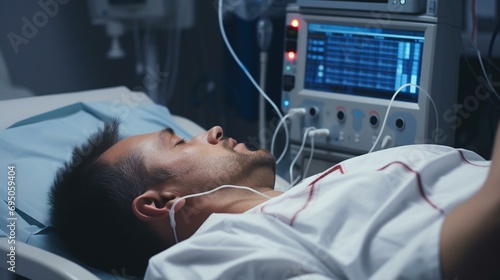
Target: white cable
306 133
273 140
310 156
322 132
389 108
226 41
171 214
492 89
474 45
292 112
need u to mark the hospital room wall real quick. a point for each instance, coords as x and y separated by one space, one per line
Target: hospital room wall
64 53
68 52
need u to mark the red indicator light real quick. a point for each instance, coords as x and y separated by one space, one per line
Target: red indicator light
295 23
291 55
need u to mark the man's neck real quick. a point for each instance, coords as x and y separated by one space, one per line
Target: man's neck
232 201
244 203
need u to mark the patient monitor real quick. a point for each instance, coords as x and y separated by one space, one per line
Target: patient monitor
343 65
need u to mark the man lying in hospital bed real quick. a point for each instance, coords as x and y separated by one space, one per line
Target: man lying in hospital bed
37 135
386 215
416 212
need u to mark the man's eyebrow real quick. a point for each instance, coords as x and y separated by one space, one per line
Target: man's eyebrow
161 135
168 130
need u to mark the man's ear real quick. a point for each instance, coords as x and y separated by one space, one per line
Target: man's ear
152 205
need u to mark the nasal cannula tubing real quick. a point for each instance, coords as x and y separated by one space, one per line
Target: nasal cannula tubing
171 214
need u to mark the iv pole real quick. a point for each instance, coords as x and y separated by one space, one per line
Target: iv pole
264 36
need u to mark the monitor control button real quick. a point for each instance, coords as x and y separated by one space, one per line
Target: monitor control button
400 124
374 121
341 116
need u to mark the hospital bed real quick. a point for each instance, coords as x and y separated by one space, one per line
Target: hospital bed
37 135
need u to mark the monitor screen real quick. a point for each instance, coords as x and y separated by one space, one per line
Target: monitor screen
363 61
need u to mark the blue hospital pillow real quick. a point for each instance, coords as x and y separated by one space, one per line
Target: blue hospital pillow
40 145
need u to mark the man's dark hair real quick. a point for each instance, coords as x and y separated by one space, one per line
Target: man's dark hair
91 206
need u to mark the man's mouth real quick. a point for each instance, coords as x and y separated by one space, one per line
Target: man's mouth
233 142
238 147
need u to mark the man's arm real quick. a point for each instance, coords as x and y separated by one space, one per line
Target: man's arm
470 237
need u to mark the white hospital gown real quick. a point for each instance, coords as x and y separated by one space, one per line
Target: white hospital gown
376 216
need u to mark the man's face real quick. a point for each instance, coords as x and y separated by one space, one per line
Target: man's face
205 161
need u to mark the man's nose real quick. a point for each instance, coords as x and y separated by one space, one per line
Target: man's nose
214 135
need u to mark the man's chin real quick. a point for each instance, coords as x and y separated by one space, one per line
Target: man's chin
264 157
268 159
